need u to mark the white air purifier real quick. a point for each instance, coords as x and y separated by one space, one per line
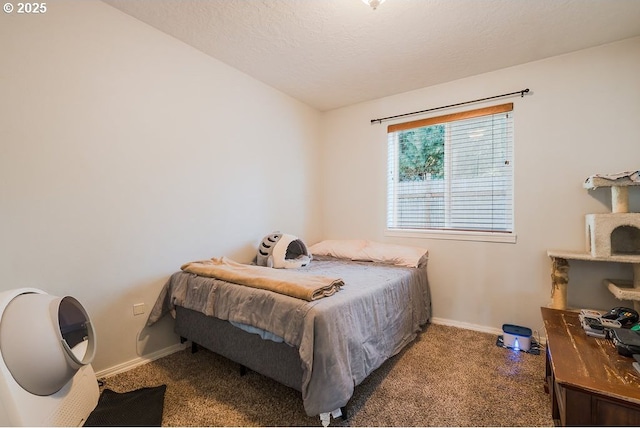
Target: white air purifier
47 344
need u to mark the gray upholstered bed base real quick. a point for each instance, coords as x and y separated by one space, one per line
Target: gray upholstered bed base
277 361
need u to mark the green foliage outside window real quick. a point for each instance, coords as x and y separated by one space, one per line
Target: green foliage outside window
421 153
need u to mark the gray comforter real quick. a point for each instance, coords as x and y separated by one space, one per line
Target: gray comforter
341 338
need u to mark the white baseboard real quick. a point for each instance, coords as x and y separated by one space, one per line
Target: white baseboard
131 364
466 325
480 328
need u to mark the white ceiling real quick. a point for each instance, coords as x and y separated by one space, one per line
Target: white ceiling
333 53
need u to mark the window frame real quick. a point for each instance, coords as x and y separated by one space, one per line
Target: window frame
452 234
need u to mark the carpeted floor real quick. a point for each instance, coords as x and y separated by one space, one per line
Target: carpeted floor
447 377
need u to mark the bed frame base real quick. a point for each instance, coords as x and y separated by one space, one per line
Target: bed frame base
325 418
194 349
277 361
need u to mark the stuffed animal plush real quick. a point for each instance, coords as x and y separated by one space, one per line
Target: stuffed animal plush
282 251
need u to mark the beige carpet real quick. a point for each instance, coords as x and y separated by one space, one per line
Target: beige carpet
447 377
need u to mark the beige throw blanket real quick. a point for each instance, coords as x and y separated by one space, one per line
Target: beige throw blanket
290 283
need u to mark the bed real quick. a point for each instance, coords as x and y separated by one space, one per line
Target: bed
323 347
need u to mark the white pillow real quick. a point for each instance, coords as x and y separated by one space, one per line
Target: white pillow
400 255
340 248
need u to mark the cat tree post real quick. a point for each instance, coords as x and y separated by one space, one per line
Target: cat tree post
619 199
559 282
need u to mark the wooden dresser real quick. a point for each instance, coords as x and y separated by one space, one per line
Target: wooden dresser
589 383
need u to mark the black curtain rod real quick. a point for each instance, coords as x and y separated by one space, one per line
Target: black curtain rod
522 92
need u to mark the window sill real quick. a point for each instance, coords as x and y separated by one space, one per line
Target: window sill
455 235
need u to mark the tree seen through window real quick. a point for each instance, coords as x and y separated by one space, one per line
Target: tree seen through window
421 153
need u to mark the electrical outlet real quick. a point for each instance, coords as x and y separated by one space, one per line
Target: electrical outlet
138 309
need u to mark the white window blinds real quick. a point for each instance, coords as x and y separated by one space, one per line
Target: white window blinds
452 172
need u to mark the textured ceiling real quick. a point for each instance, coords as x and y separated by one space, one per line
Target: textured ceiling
333 53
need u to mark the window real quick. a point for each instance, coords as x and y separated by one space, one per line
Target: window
452 173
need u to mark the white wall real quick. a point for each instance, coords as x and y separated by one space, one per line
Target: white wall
125 153
582 117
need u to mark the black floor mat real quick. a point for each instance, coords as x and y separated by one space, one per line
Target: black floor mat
142 407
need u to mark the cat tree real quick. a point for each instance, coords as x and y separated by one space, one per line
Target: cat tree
610 237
